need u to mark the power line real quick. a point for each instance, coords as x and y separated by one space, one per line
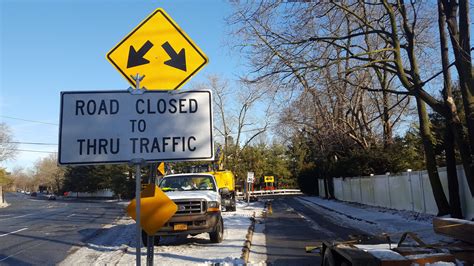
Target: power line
27 120
30 143
33 151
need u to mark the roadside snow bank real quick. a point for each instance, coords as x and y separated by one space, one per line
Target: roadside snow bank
376 221
115 244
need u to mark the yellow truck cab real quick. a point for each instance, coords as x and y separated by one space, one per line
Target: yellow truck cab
226 184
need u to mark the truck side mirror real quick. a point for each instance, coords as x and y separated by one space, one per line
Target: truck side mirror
224 190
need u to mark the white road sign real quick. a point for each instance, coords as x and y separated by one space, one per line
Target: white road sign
102 127
250 177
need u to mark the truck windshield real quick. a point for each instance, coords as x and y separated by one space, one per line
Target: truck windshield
180 183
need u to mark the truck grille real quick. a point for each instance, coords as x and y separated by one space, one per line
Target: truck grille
190 207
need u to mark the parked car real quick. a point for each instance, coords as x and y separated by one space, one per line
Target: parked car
51 197
34 194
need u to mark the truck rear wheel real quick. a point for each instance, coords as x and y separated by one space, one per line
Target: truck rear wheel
145 239
232 205
218 234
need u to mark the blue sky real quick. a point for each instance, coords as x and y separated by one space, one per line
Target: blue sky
52 46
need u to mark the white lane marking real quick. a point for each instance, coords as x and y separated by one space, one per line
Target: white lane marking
71 215
16 217
21 251
23 229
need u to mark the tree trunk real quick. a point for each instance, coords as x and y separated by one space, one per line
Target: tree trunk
425 132
453 184
326 188
453 124
316 187
329 187
460 40
387 126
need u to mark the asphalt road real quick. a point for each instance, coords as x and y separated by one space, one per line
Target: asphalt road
37 231
293 226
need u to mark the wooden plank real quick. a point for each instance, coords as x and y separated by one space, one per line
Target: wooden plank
457 228
422 259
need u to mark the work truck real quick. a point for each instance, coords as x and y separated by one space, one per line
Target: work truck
199 207
226 184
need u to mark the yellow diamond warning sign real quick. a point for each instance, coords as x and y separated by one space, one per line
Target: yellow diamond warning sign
156 209
159 49
161 169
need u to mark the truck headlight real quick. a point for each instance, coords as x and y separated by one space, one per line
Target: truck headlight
213 206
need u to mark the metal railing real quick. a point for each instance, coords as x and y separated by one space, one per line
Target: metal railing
259 193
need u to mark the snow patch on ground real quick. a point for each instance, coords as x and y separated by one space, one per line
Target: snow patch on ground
115 245
376 221
4 205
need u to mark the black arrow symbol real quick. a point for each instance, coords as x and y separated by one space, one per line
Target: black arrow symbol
135 58
177 60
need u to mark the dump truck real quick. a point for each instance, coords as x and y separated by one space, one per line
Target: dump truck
226 184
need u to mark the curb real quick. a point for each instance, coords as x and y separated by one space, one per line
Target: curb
248 240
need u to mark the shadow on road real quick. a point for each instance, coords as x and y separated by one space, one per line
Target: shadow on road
12 261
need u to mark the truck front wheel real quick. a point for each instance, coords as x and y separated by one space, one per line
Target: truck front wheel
218 234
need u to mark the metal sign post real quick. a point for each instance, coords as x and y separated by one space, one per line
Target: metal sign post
248 192
250 180
151 238
138 178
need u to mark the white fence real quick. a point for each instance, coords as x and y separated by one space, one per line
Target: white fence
104 193
403 191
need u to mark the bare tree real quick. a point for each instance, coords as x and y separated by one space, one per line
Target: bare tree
234 116
7 146
331 95
48 173
23 179
298 43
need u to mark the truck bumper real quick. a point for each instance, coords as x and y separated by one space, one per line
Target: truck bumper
195 224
